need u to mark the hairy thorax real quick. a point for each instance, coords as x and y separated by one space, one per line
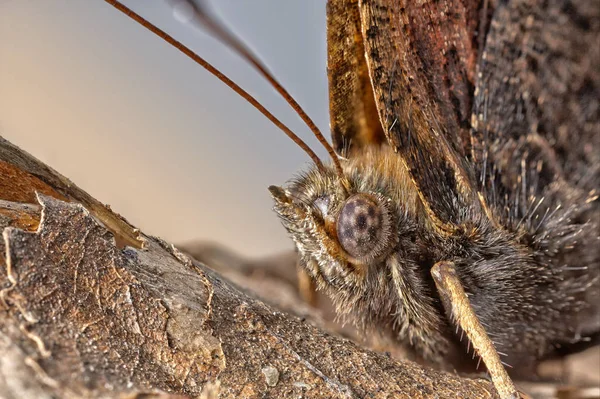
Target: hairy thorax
371 242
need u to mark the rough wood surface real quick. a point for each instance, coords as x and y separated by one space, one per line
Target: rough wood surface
273 280
81 316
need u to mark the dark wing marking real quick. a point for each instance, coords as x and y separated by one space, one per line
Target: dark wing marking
536 114
353 114
422 58
536 138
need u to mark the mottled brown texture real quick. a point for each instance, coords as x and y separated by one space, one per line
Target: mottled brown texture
90 318
539 91
422 59
25 216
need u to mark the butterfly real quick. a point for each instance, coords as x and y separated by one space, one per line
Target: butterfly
457 168
461 198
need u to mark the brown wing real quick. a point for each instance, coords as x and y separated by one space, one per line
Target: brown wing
421 58
536 116
353 114
536 137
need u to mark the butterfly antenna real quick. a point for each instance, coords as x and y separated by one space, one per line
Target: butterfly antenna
206 65
204 16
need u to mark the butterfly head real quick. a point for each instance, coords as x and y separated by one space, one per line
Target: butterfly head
346 231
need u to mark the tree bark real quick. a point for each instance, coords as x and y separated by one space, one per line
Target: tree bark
91 307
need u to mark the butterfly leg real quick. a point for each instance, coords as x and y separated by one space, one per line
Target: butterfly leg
307 288
459 310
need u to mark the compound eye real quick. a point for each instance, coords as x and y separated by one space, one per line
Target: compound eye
363 227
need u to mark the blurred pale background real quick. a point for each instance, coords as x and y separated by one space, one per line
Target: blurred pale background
142 128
